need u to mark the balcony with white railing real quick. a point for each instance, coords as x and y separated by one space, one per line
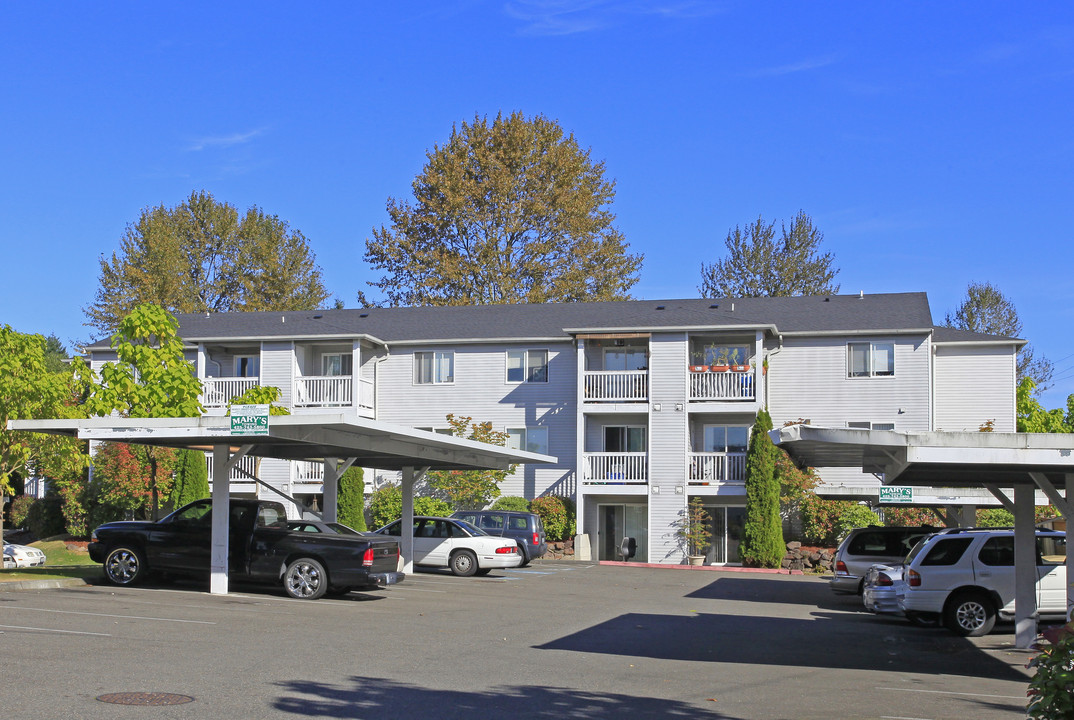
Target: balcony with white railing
624 386
217 392
727 385
602 468
323 391
713 468
308 472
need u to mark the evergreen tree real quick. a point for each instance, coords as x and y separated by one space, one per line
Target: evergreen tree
762 538
191 478
351 499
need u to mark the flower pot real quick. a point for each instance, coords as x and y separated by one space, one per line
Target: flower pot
698 368
740 368
696 559
719 368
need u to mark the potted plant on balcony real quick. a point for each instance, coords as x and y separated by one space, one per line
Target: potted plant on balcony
693 532
721 364
737 366
698 357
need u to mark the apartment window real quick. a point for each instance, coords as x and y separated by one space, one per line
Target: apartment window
624 438
527 366
531 439
870 359
726 438
336 364
434 368
864 425
437 430
618 359
247 365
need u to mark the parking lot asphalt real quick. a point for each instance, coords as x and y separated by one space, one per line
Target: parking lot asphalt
553 640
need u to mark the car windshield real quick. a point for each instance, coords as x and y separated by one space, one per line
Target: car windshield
471 529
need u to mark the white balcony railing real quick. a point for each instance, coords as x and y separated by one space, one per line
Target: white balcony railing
218 391
717 467
616 468
323 391
308 472
616 385
365 393
246 467
730 385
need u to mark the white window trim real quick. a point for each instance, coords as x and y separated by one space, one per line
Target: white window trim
437 354
871 357
342 362
525 432
627 428
726 427
525 366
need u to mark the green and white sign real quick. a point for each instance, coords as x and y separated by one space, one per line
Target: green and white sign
896 494
249 419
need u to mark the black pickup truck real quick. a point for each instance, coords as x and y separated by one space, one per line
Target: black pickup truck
261 549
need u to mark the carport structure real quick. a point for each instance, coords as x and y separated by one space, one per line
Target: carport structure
339 440
997 462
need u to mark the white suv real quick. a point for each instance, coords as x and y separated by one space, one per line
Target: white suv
966 578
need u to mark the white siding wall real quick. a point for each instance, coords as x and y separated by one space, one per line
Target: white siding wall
277 368
481 391
974 385
667 444
808 379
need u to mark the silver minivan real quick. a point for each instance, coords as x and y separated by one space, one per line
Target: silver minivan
868 546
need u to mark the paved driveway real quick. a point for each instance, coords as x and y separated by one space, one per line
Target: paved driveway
555 640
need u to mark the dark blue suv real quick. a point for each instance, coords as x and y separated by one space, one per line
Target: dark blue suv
523 527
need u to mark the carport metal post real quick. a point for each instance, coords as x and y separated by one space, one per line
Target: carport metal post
220 520
1025 567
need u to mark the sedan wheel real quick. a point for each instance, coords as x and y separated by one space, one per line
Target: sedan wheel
124 566
305 579
970 615
463 563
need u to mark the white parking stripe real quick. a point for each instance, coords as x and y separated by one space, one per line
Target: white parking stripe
125 617
66 632
949 692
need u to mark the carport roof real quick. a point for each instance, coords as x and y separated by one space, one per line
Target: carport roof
300 437
948 459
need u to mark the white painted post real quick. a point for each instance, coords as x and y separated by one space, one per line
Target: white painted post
1025 567
1070 557
221 516
406 525
330 492
579 434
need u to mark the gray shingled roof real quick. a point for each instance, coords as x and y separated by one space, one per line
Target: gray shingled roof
942 334
789 315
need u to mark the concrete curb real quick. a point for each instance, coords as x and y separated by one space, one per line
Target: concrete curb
705 568
41 584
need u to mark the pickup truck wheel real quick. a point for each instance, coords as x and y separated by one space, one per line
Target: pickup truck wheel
463 563
305 579
970 614
124 565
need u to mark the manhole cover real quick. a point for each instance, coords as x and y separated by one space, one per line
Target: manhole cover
145 698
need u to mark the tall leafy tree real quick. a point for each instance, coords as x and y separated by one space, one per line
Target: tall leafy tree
470 489
151 379
33 388
987 310
1032 417
762 537
511 211
202 256
758 264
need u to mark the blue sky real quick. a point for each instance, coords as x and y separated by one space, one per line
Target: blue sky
931 142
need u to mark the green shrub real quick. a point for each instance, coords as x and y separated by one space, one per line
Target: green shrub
45 517
20 510
385 506
851 516
511 504
762 536
351 499
995 517
191 478
1051 691
557 516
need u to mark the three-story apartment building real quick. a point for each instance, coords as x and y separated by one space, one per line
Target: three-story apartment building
646 404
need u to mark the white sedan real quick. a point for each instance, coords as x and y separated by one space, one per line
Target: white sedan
458 545
23 556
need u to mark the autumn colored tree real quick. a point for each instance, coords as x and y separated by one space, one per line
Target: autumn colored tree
470 489
202 256
760 265
511 211
152 378
125 478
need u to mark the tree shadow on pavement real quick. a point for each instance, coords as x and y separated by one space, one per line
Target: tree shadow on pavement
367 697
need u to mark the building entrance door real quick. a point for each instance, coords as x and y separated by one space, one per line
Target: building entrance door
620 521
